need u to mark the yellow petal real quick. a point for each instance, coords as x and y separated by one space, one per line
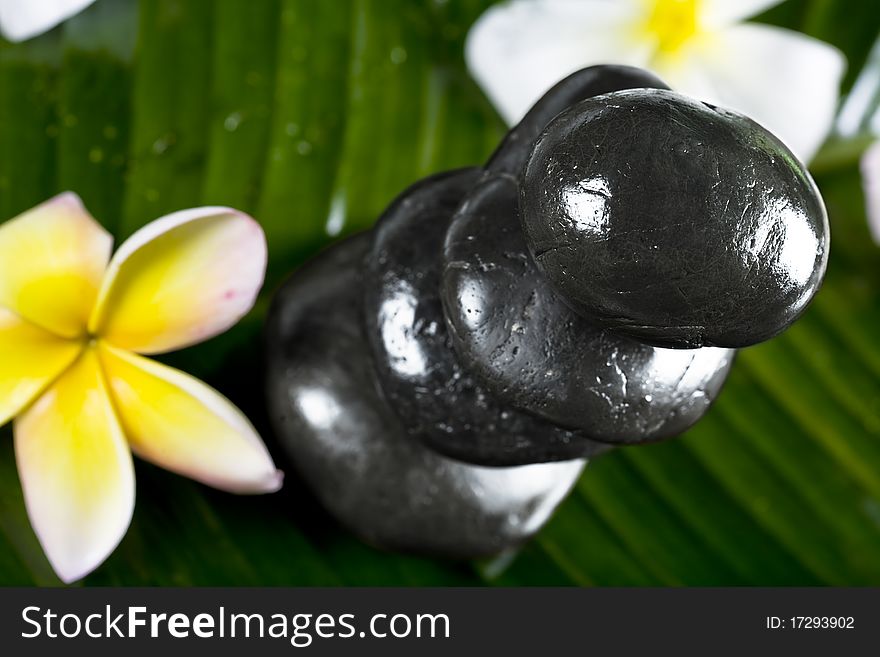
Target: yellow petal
179 423
30 358
75 470
180 280
52 260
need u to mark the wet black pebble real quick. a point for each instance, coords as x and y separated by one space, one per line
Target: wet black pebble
672 221
531 350
439 401
338 432
513 152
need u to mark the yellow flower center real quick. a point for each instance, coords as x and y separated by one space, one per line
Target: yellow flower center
672 23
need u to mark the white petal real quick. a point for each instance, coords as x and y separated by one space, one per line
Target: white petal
784 80
518 50
858 111
870 166
23 19
719 13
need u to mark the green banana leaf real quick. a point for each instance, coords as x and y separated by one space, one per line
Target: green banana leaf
312 115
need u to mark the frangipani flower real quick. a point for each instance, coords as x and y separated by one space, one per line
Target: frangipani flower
23 19
785 80
74 325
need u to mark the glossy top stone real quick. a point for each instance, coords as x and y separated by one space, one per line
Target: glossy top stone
673 221
340 435
513 152
439 401
532 350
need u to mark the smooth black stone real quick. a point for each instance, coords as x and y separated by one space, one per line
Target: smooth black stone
513 152
672 221
439 401
531 350
338 433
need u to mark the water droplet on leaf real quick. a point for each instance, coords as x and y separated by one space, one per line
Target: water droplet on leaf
398 55
232 121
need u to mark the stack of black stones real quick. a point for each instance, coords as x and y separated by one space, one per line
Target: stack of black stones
440 381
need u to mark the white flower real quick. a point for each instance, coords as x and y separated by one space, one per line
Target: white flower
785 80
23 19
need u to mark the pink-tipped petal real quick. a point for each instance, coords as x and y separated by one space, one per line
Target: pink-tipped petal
179 423
181 280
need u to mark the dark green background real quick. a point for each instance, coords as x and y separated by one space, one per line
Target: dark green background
309 113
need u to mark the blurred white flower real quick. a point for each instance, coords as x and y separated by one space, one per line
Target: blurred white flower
23 19
785 80
870 166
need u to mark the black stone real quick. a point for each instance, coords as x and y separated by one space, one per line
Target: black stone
513 152
531 350
673 221
439 401
339 434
